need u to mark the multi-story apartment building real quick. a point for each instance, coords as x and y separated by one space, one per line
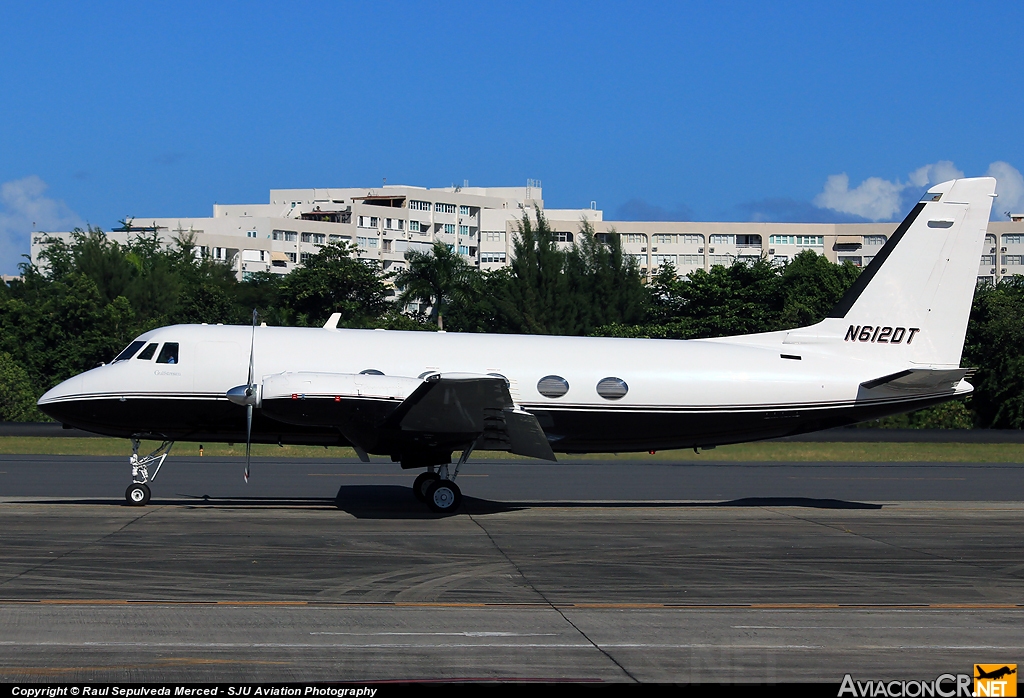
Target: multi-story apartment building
481 223
383 223
692 246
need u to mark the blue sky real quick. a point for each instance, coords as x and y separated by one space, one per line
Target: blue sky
709 111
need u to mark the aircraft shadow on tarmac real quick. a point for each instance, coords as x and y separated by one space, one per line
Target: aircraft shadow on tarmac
397 502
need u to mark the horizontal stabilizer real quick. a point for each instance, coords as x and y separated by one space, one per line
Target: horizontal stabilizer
912 383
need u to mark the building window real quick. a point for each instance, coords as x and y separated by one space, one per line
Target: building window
748 240
492 257
464 210
367 242
692 239
463 230
691 260
444 208
464 249
419 205
664 239
855 261
1011 239
305 256
722 260
800 240
493 236
723 239
339 238
385 246
368 221
251 234
1012 259
449 228
287 235
394 224
874 240
563 237
635 238
291 257
414 226
660 260
316 238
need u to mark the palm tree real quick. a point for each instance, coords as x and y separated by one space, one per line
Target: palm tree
436 278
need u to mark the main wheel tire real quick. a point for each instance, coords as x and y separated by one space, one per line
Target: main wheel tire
137 494
422 482
443 496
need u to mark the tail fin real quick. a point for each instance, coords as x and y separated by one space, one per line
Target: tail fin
914 299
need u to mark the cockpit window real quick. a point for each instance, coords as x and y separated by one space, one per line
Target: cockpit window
147 353
129 351
168 354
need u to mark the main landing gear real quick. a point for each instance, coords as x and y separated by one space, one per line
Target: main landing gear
138 493
438 489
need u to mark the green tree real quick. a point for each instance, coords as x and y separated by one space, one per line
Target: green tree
17 396
333 281
995 345
438 279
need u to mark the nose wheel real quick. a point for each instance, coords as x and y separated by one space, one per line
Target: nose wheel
137 494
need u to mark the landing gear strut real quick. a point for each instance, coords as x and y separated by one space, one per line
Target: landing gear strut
138 492
438 489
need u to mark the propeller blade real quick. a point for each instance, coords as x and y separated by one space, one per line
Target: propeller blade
250 392
248 439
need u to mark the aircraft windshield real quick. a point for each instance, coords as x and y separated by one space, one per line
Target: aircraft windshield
129 351
168 354
147 353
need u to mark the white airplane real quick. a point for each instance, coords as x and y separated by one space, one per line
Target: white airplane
892 344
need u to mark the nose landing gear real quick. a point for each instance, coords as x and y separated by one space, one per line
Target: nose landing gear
138 492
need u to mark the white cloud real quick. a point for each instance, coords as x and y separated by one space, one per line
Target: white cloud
23 207
881 199
874 198
941 171
1009 187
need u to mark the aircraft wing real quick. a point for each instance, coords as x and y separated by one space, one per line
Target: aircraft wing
389 414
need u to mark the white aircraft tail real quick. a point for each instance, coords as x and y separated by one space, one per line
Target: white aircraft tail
913 300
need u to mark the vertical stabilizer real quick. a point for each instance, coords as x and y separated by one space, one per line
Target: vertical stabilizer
913 301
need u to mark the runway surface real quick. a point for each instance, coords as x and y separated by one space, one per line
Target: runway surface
327 570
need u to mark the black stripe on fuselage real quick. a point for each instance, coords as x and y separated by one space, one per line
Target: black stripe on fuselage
594 431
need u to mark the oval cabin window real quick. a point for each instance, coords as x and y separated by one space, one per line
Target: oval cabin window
612 388
552 386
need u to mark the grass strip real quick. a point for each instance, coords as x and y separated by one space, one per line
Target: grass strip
760 451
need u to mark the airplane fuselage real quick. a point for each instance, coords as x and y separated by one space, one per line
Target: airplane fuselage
677 393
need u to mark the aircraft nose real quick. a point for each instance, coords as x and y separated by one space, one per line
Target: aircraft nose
62 393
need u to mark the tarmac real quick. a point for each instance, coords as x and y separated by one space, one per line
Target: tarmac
327 570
